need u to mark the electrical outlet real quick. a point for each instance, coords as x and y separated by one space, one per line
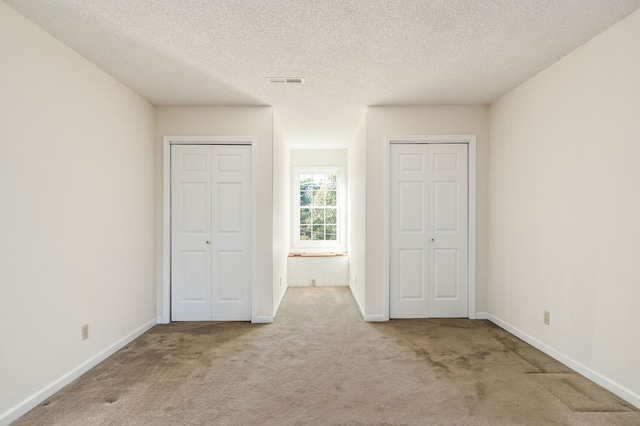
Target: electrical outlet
313 283
547 319
85 332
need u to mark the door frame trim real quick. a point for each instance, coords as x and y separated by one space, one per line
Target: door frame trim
470 140
167 141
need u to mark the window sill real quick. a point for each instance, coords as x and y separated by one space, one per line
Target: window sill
318 254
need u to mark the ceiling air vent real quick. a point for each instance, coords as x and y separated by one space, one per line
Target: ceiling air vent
285 80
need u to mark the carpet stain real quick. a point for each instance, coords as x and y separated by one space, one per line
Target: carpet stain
580 395
426 356
481 391
573 386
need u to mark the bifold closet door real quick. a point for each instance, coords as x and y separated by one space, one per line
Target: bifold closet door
211 232
428 242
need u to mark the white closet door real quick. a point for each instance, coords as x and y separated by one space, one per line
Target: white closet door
448 230
210 232
231 233
428 231
409 242
190 231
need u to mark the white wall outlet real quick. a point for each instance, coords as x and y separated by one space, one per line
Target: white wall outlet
313 283
85 332
547 317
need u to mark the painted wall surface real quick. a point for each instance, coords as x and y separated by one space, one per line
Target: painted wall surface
76 211
564 205
281 213
227 121
319 158
420 120
356 215
323 271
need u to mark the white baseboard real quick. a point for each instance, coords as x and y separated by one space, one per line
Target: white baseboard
482 315
353 295
375 318
31 402
275 311
613 387
263 319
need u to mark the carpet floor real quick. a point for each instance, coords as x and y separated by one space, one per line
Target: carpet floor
320 364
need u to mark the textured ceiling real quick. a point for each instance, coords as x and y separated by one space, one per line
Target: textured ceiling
352 53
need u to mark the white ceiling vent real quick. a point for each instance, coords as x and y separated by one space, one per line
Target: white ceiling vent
285 80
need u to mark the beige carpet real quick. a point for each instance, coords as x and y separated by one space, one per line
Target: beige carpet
320 364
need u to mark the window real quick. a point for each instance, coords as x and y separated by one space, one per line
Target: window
318 209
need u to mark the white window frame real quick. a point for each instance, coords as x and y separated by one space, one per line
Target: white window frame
310 246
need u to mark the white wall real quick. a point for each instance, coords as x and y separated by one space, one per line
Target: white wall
419 120
356 214
228 121
76 214
319 158
320 271
281 214
564 207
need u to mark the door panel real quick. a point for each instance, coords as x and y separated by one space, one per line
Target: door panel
194 207
408 266
445 274
195 282
445 206
190 230
230 276
231 285
211 230
411 219
448 228
230 200
428 230
411 274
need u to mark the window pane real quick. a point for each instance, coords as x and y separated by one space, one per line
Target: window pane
305 216
305 185
332 182
331 198
305 232
318 216
318 232
305 198
330 216
318 197
330 233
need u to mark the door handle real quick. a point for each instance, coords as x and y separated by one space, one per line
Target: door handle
432 240
208 242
